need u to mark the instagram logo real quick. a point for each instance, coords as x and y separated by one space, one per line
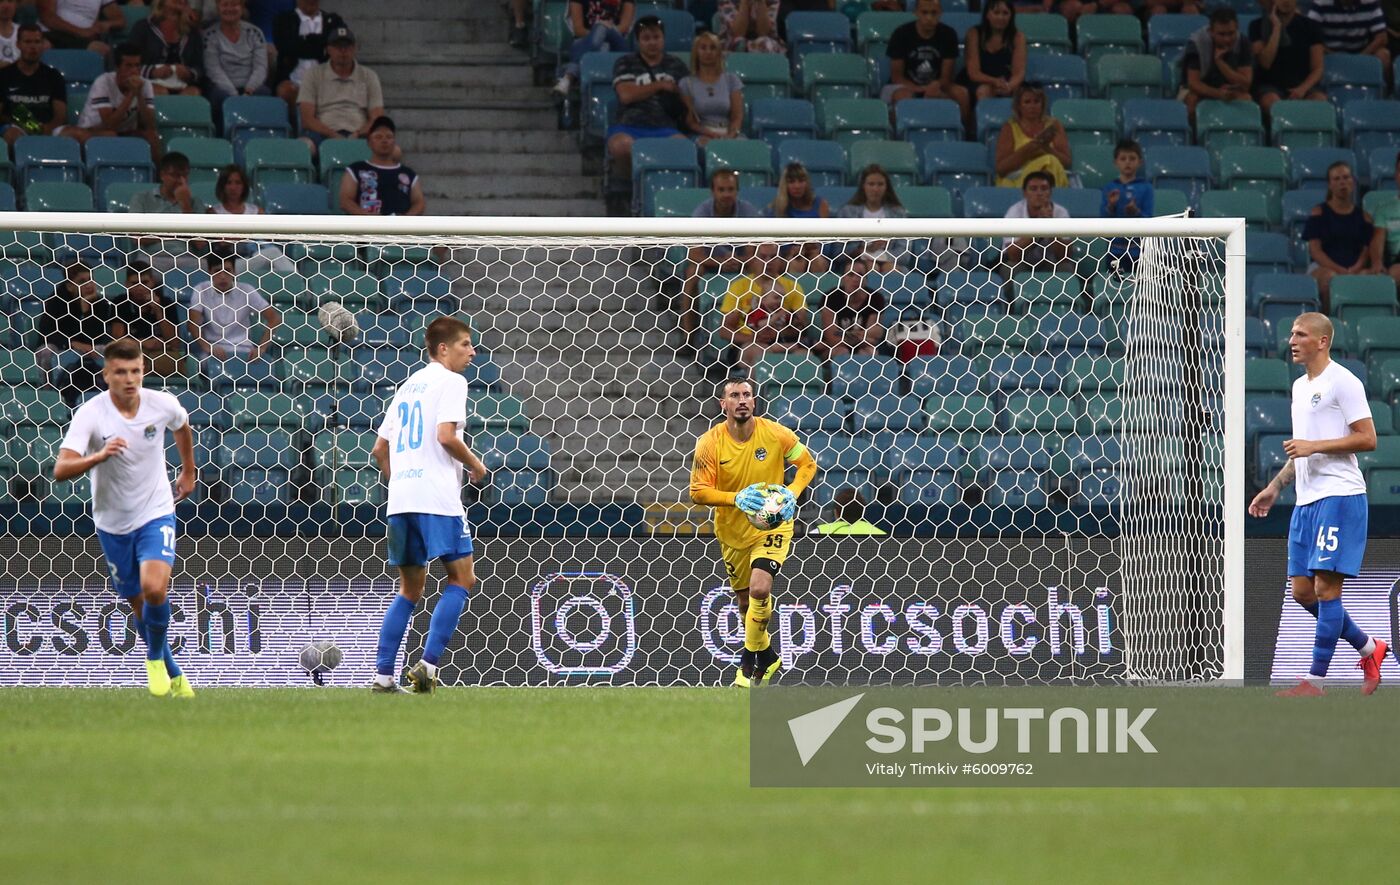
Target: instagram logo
583 624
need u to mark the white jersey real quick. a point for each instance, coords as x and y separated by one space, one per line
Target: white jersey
1325 407
133 487
423 477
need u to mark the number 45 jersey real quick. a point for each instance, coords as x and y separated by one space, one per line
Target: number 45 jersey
423 477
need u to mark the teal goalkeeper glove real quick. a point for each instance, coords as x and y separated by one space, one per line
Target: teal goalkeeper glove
789 500
751 499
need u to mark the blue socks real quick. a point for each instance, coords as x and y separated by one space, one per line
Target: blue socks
157 618
391 635
446 614
172 669
1330 616
1354 635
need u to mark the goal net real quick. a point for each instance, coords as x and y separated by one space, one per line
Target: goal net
1029 436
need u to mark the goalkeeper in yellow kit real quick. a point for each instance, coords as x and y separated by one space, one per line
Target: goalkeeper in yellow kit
737 463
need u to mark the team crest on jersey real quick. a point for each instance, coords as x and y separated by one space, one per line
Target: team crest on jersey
760 454
151 432
1316 398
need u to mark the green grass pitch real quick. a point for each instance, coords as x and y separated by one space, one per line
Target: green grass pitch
579 785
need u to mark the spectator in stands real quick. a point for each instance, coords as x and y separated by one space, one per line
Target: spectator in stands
299 36
1339 233
172 51
9 33
751 26
381 185
796 198
1031 141
1130 196
340 98
723 202
1034 253
34 94
714 98
765 311
923 54
122 102
80 24
648 86
1287 54
174 194
224 310
231 190
875 197
996 53
76 323
235 57
1354 26
597 26
519 26
1218 63
149 316
850 317
1385 243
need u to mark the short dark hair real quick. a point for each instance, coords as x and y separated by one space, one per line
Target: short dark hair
136 268
647 22
444 330
28 28
727 382
723 172
74 269
218 257
127 50
122 349
1223 15
1127 146
175 161
1038 175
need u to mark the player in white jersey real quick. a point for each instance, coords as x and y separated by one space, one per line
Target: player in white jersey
132 504
1327 532
421 453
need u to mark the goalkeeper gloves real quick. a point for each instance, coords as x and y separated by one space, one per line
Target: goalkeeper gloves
751 499
789 500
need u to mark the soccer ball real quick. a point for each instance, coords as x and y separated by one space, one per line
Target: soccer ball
770 515
320 657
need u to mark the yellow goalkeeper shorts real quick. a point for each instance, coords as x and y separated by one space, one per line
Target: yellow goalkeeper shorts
739 561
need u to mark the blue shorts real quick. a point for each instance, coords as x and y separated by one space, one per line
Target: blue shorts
1328 535
416 539
643 131
125 553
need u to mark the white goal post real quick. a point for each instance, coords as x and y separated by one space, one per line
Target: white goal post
1060 487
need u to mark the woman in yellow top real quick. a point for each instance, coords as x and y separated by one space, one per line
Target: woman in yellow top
1031 141
765 310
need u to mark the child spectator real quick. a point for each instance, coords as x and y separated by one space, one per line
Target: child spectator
714 98
1339 233
1217 63
923 54
1031 141
1131 196
597 26
1287 53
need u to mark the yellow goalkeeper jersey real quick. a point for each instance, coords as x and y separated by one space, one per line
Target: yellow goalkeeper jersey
724 464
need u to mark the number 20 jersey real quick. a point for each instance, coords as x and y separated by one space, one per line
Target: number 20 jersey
423 477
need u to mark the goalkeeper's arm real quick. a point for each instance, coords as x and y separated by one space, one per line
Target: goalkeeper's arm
704 477
806 471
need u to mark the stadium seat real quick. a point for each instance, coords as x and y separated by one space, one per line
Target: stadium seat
1094 165
873 29
1090 373
1172 30
247 117
1369 125
873 413
678 25
897 158
927 202
1382 415
1038 413
989 202
598 101
660 163
923 121
497 412
844 462
1257 339
111 160
1362 297
47 158
990 116
1385 382
33 450
308 367
512 451
184 116
79 67
957 166
805 414
1376 167
1123 77
775 120
1348 78
825 161
1383 487
1249 205
1260 169
1063 76
1020 371
28 405
288 198
1307 166
943 375
817 33
680 202
789 374
58 196
1156 122
269 160
207 156
336 449
1089 120
1080 202
1100 35
1046 34
853 377
751 159
959 412
1040 292
1295 124
1186 169
299 328
258 449
1278 297
1267 414
247 410
834 75
1017 489
1385 457
338 153
764 75
118 195
1267 377
848 120
355 289
1378 338
1221 124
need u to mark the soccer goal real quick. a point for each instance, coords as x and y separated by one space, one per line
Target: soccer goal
1030 439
